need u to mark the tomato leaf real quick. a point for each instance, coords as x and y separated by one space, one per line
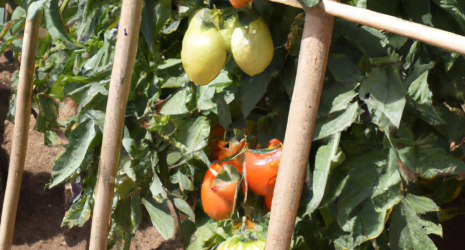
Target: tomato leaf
183 176
455 8
136 149
368 40
421 204
79 143
157 188
223 111
367 196
343 69
54 24
160 216
184 207
253 88
337 122
382 92
154 16
309 3
78 213
418 88
87 93
327 157
191 134
122 214
177 105
336 98
433 161
171 74
407 230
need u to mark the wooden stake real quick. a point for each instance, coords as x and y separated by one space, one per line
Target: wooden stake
120 83
21 131
314 50
423 33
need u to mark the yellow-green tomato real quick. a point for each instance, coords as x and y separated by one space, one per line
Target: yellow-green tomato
239 243
203 54
252 47
195 22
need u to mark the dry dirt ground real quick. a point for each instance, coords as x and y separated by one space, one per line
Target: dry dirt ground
41 210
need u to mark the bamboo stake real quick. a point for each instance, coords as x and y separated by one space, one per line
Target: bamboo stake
120 83
21 131
423 33
314 50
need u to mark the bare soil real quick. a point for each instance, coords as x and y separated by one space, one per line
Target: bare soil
40 210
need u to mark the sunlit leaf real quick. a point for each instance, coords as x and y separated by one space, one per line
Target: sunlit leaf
78 213
177 104
79 142
337 122
382 91
191 134
407 230
160 216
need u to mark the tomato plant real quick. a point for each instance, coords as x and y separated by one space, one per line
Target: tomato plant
387 152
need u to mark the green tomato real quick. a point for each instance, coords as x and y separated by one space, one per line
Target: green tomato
203 53
239 243
252 47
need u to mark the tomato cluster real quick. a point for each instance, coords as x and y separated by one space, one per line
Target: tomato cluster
209 39
261 169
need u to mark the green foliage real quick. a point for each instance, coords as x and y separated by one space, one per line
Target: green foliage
387 147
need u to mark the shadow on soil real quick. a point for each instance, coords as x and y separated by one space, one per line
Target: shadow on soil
40 212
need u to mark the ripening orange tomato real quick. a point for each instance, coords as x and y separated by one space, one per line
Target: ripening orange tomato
217 200
230 151
238 3
262 169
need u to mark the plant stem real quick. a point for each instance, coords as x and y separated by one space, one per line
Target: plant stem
423 33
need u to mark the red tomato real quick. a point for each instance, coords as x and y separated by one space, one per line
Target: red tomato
238 3
262 169
275 143
217 200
